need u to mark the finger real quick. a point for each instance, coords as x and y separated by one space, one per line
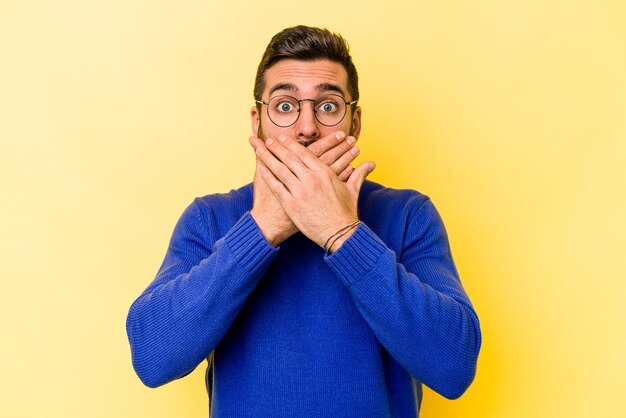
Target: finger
360 173
255 142
290 153
280 171
322 145
345 174
296 154
276 186
258 177
332 155
345 160
286 156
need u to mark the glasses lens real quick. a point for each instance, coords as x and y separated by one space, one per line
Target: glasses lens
330 109
283 110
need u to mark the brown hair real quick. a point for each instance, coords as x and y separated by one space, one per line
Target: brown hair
305 43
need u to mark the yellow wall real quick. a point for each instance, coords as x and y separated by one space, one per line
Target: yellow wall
510 115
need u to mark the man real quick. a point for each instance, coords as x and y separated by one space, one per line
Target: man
311 292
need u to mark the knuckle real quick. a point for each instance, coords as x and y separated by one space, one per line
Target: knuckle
315 186
316 149
298 196
288 160
301 152
326 159
293 207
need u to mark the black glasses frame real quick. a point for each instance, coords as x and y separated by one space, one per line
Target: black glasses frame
345 111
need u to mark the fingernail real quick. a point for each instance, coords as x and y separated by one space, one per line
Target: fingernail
351 140
282 138
354 151
339 136
260 150
269 141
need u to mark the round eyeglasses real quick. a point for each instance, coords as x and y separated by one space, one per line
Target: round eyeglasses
284 111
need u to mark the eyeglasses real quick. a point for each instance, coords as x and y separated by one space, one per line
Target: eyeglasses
284 111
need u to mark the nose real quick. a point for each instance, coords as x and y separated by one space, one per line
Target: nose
306 125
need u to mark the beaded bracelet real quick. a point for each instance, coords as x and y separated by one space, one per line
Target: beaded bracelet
334 237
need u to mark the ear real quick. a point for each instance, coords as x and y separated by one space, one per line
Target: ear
254 120
356 123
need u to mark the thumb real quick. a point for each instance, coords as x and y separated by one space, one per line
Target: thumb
360 173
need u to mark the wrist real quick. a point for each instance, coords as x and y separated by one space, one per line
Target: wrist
335 240
340 241
273 234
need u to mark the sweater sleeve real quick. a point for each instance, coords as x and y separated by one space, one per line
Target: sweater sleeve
200 288
414 302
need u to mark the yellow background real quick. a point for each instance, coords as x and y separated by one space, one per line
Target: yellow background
510 115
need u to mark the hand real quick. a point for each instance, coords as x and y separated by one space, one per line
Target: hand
268 213
335 150
311 194
336 153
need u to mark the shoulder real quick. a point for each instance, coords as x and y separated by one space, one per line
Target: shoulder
381 200
233 200
220 211
390 212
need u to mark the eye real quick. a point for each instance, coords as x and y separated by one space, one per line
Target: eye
328 106
285 106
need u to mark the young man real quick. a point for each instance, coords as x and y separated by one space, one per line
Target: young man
311 292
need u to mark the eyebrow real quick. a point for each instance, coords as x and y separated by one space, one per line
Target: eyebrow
294 89
284 86
330 87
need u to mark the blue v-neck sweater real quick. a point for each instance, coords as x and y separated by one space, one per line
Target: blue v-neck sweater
293 332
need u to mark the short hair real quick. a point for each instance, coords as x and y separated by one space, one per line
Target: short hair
305 43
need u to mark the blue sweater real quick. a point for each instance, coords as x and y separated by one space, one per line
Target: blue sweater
293 332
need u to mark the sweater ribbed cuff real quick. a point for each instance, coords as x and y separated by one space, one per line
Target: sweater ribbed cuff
248 244
357 255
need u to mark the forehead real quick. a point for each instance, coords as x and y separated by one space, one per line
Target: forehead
306 77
